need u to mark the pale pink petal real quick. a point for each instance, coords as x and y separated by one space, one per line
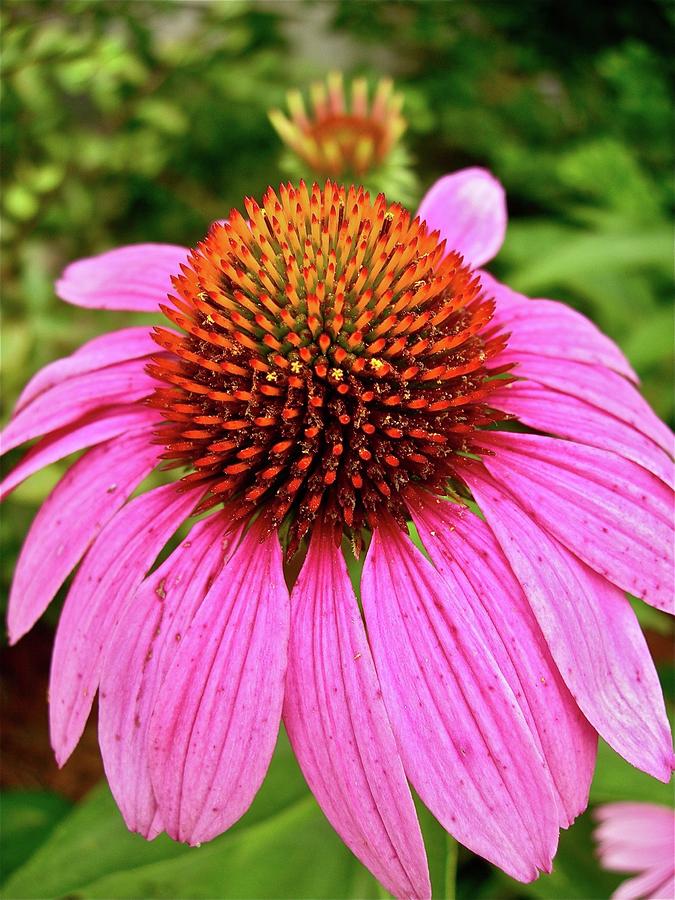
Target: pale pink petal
656 884
551 329
102 351
139 654
591 630
465 552
110 573
86 432
338 726
465 744
610 512
468 208
88 496
568 417
65 403
635 836
597 386
215 723
136 278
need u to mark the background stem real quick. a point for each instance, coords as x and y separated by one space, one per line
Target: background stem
450 868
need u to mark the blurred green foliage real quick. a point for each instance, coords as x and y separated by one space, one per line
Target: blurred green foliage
144 120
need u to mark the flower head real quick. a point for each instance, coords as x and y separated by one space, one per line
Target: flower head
338 136
638 838
343 369
333 356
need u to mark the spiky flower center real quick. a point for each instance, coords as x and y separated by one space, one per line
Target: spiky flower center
336 136
330 356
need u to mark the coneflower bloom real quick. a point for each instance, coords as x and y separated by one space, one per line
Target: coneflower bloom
338 370
337 134
638 838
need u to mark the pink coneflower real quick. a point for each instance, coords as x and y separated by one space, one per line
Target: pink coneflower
339 371
640 838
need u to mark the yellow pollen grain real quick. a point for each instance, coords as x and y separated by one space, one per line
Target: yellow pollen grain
337 374
271 376
296 367
376 363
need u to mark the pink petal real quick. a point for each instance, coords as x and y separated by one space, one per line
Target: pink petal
92 429
136 278
465 744
113 568
139 654
465 552
551 329
468 208
102 351
609 512
591 630
339 729
71 517
566 416
656 884
635 836
63 404
215 725
597 386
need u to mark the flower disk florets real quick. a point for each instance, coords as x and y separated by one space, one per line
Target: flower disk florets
332 356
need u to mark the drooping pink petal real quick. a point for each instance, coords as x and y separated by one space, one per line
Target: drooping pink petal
102 351
215 724
597 386
135 278
112 570
92 429
465 744
610 512
339 728
551 329
88 496
568 417
465 552
65 403
468 208
591 630
139 654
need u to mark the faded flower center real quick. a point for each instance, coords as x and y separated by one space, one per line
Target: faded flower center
329 358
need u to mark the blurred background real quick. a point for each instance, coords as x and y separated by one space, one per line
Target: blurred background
145 121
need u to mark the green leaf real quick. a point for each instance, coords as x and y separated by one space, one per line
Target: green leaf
583 254
27 819
283 847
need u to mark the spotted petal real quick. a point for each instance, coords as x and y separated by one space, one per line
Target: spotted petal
71 517
139 654
112 570
591 630
464 741
464 550
340 730
213 732
610 512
